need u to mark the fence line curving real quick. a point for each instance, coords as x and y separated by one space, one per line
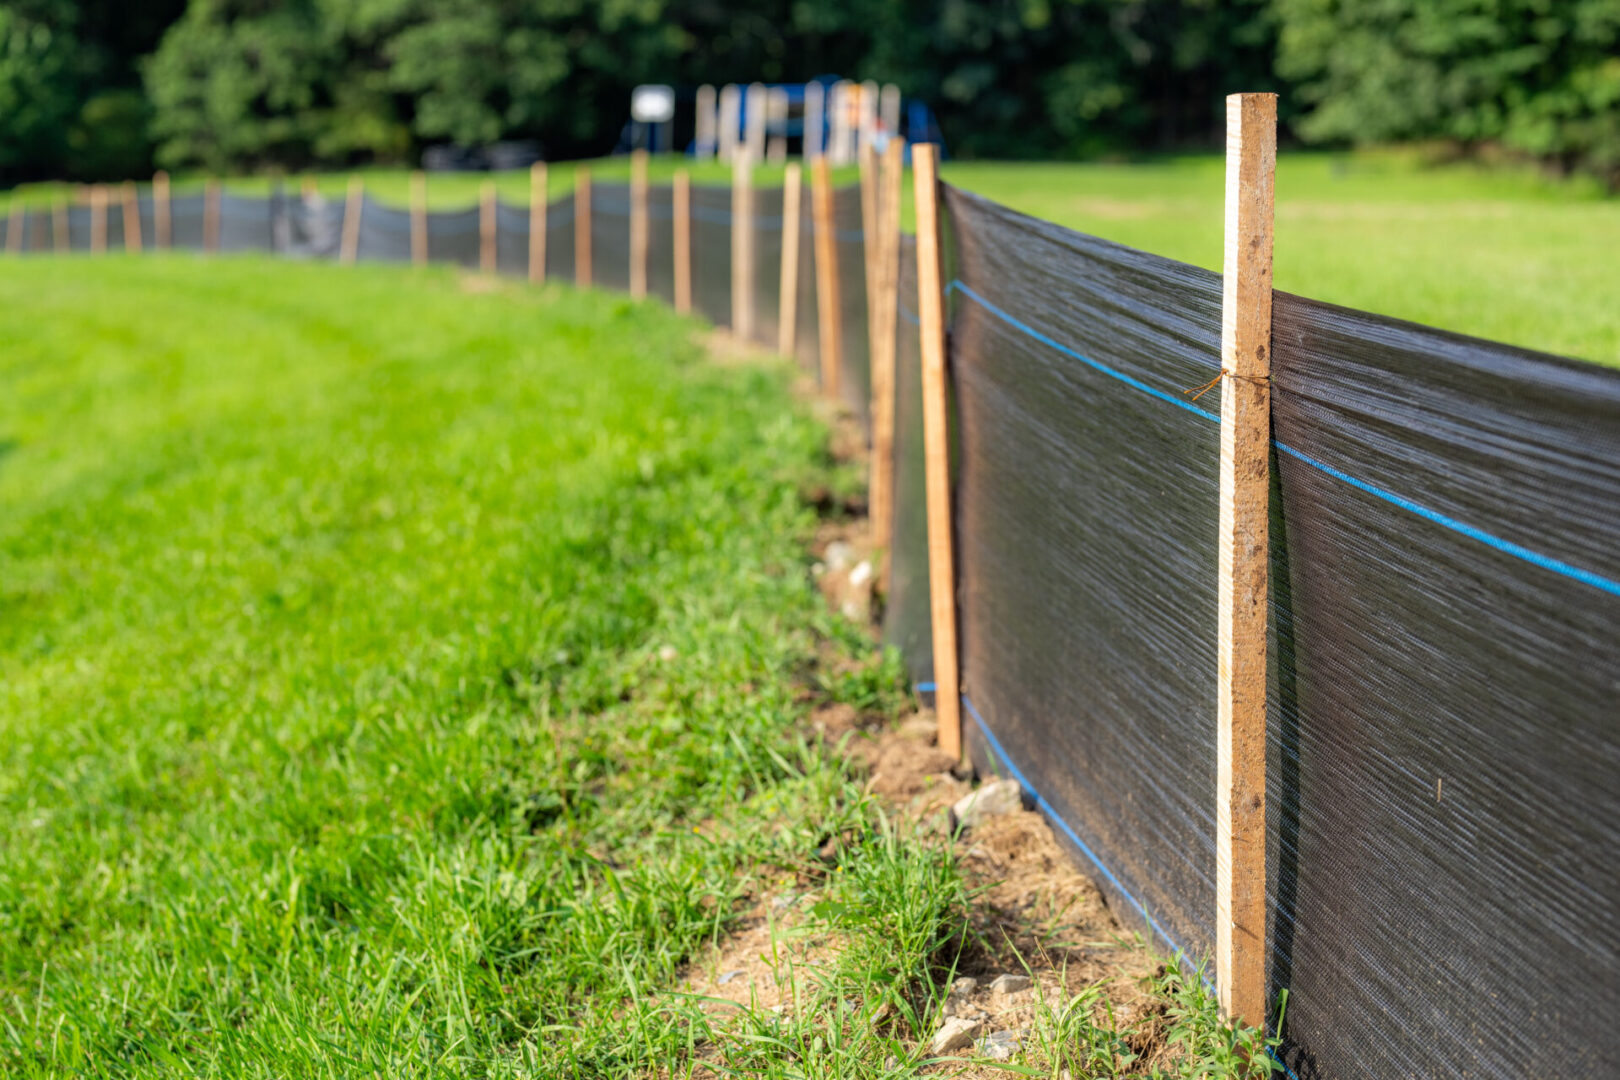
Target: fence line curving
1443 688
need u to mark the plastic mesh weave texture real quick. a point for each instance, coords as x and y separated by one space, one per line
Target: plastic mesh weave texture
1086 520
1446 588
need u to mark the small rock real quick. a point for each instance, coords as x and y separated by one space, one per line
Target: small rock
818 569
786 900
891 1063
861 574
954 1035
728 976
839 553
1009 984
999 1046
991 800
668 653
964 986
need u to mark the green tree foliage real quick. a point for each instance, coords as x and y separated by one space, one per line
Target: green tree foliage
1539 76
39 80
229 84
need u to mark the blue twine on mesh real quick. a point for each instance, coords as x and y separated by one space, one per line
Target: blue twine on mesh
1535 558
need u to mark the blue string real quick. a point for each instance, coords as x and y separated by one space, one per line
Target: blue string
1181 956
967 290
1535 558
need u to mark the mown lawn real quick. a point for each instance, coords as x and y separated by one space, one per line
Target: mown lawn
400 680
1497 252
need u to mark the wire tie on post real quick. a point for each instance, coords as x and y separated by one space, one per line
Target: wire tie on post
1199 391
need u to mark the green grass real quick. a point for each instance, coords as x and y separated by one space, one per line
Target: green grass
393 681
404 679
1500 253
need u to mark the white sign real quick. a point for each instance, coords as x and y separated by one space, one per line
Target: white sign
652 104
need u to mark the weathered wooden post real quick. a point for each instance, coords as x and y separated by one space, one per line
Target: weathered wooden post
638 224
683 241
537 223
1240 812
212 198
884 311
162 235
829 314
486 227
98 219
60 240
419 237
936 448
132 218
787 303
353 207
582 227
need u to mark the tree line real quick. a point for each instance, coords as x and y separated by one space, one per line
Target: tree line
104 89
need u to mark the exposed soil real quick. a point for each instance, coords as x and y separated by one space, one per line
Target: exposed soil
1037 914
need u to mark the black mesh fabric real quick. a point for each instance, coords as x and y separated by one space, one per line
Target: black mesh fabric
906 617
1086 517
78 228
314 226
560 239
767 266
1446 588
512 240
245 223
711 253
855 378
185 221
115 227
661 242
610 236
452 235
148 219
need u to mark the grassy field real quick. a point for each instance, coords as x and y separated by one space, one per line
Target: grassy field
403 675
393 681
1500 253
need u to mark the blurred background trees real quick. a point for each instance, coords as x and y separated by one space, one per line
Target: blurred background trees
97 89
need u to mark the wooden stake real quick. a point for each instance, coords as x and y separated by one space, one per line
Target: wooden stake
1240 813
161 235
885 315
486 227
537 223
787 303
742 244
211 206
132 218
14 227
419 237
683 241
353 207
582 227
638 224
59 225
829 315
936 449
98 219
